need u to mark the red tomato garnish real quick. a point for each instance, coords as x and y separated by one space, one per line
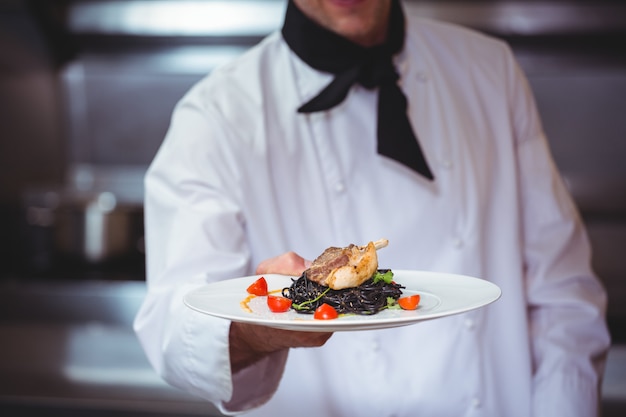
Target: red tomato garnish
258 287
278 304
325 312
410 302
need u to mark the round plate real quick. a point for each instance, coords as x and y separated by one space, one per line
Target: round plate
441 295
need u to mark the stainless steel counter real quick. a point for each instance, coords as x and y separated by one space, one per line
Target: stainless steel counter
69 348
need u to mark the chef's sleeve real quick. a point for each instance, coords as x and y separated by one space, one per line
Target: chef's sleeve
195 234
566 301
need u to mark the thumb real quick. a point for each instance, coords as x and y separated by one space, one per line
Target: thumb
289 263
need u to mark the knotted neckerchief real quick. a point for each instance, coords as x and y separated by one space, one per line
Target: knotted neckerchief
370 67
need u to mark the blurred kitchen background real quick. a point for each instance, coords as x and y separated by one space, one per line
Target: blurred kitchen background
86 93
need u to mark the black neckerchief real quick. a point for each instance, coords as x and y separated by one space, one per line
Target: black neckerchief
371 67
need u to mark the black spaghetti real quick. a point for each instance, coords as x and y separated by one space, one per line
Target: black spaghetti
368 298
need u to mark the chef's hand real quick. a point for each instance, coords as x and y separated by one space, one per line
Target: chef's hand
249 343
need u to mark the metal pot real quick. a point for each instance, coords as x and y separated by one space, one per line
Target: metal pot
96 228
85 227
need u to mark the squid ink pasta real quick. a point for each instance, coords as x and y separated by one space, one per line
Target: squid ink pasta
366 299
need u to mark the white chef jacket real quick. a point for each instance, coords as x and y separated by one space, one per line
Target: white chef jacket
242 177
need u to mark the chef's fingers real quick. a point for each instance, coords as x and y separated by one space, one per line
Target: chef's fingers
289 263
249 343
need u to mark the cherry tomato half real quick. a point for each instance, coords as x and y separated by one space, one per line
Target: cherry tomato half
325 312
258 287
278 304
410 302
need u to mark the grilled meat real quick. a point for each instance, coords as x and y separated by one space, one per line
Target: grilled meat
348 267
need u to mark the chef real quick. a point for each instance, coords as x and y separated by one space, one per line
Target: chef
351 123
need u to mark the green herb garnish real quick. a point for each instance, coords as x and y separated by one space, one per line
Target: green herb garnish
386 277
302 305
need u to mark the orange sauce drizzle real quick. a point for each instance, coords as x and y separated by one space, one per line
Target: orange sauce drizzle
245 303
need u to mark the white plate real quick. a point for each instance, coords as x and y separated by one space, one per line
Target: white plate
441 295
